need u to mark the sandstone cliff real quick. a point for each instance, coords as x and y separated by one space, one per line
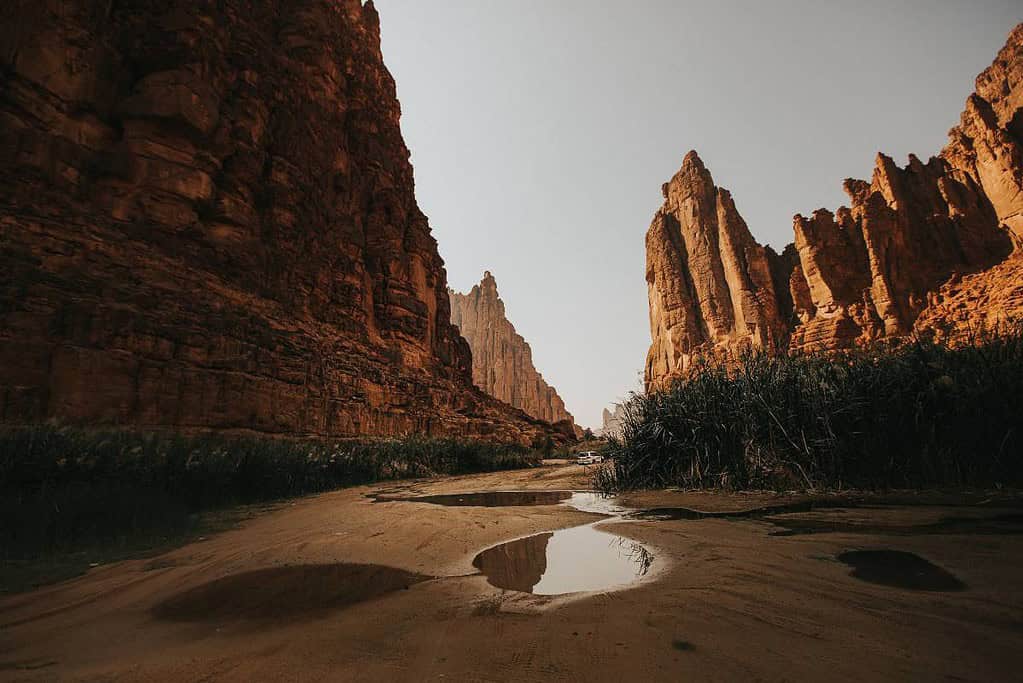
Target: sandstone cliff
502 362
862 273
710 285
207 221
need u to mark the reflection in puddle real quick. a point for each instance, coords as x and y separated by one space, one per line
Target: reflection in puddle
900 569
598 503
582 559
490 499
285 592
566 561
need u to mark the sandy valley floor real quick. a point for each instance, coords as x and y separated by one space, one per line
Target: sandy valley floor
346 586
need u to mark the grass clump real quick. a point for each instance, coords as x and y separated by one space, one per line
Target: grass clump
913 416
67 490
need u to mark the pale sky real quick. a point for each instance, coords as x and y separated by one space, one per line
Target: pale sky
541 132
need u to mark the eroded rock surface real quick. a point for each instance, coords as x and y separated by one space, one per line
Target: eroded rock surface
710 285
207 220
976 304
502 362
876 269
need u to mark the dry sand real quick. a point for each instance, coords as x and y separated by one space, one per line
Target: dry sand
727 599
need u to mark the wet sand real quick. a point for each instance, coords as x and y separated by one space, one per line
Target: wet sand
349 586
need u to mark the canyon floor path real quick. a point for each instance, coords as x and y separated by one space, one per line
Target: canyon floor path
366 584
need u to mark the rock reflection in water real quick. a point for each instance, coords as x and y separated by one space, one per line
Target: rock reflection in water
518 565
567 561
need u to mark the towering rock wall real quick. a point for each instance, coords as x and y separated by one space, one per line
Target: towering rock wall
865 272
502 362
207 221
710 285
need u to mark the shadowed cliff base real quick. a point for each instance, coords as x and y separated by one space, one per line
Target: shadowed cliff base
72 497
920 414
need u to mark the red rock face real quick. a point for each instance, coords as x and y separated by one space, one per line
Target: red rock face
873 270
870 268
988 301
502 362
207 220
710 285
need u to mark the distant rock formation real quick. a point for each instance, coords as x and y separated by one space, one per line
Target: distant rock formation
207 221
502 362
862 273
612 421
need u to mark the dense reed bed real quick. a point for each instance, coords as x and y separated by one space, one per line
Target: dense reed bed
916 415
64 489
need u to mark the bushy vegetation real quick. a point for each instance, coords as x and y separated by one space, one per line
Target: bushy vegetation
916 415
63 489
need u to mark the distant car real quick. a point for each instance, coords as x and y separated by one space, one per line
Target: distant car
589 458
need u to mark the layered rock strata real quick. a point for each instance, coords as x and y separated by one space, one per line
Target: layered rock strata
207 221
502 361
870 271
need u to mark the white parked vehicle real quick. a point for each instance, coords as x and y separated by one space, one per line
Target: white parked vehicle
589 458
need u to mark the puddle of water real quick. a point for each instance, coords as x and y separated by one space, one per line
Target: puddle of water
572 560
489 499
679 513
992 524
590 501
899 569
298 591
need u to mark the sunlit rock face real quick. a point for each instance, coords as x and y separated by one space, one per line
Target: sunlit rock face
502 361
710 285
869 268
207 220
890 263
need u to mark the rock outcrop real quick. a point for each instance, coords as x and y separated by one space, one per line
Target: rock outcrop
869 268
502 362
710 285
863 273
207 221
990 301
612 421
